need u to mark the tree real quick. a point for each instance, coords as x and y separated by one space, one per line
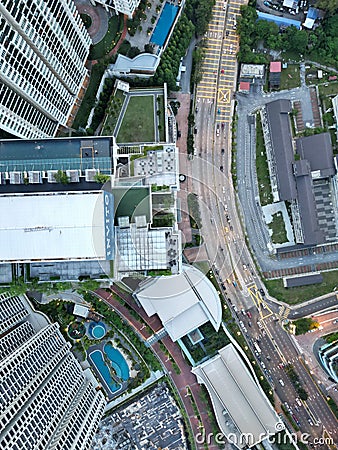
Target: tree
101 178
61 177
133 51
328 5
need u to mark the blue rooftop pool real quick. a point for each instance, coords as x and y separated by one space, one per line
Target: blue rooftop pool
118 363
167 18
97 357
97 330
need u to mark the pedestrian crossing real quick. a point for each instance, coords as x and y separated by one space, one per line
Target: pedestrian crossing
284 312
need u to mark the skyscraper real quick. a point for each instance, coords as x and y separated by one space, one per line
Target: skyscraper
43 49
47 401
121 6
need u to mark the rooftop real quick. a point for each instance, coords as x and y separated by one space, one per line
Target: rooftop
252 71
275 66
241 408
143 63
302 280
183 302
317 149
244 86
280 132
56 154
62 226
279 20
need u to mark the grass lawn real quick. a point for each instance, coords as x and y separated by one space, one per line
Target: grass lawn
112 113
160 103
278 229
89 97
330 89
303 293
103 47
138 121
290 77
262 169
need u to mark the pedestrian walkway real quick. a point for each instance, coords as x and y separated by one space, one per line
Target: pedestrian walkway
99 17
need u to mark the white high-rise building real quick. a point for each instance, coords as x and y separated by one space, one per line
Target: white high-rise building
43 49
47 401
120 6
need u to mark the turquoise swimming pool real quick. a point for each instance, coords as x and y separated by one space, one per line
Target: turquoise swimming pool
97 358
118 363
97 330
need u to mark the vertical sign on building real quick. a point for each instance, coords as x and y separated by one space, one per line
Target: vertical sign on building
108 199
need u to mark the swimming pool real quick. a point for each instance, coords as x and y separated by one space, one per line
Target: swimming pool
117 361
167 18
97 330
97 357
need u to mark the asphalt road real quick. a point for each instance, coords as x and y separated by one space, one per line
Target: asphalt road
222 231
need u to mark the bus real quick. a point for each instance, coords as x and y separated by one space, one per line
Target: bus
257 347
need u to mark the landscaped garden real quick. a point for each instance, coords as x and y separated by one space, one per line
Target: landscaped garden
277 226
112 113
262 169
76 330
138 122
115 27
290 77
301 294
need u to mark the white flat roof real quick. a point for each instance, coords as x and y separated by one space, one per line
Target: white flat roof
52 226
80 310
183 302
235 394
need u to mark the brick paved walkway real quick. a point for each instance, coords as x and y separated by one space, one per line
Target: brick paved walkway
181 381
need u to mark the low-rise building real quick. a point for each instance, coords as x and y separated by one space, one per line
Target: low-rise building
275 74
243 412
183 302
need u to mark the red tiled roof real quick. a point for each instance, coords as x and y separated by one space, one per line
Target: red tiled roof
275 66
244 86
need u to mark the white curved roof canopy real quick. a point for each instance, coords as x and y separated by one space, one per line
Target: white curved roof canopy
183 302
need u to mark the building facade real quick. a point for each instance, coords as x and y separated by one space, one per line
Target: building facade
120 6
43 49
47 400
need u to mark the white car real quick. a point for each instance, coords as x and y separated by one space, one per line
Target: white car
281 382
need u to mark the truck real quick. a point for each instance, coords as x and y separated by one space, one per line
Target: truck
257 347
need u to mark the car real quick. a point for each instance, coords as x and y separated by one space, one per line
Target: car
299 403
196 110
310 421
268 358
335 321
267 3
263 365
241 323
221 168
235 308
260 326
223 286
243 311
245 329
223 151
281 382
262 291
248 313
227 32
222 71
250 324
195 130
